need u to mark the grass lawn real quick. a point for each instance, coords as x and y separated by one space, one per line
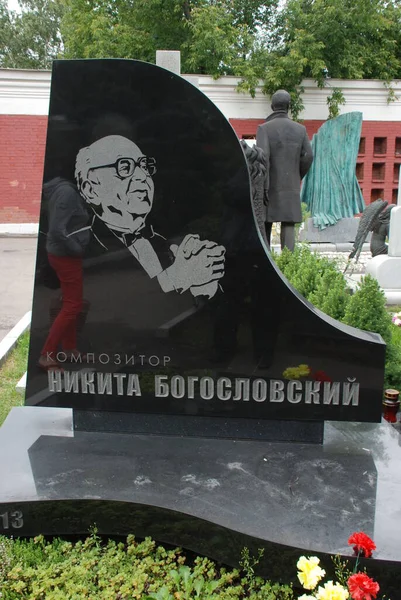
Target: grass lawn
10 373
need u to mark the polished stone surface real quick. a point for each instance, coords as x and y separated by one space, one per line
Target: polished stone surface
211 496
342 231
301 495
187 425
287 493
222 334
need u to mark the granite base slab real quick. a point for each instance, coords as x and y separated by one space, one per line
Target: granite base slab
343 231
310 432
213 496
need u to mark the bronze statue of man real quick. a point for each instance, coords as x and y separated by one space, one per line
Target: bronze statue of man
289 156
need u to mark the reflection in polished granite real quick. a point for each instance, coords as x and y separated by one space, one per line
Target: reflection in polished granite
262 489
255 325
211 496
302 495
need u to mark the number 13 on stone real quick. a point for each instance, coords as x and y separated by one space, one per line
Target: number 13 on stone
13 519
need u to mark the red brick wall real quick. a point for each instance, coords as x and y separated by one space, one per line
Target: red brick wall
246 128
23 141
377 172
22 149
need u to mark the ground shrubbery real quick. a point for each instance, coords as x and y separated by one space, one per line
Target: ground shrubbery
318 279
60 570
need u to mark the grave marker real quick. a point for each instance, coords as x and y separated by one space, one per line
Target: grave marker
192 336
187 314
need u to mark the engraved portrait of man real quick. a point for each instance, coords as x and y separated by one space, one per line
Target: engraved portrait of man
116 180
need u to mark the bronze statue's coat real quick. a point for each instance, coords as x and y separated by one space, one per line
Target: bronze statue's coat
289 156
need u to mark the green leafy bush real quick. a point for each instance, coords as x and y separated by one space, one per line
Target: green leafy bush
331 294
61 570
316 278
302 268
319 281
367 309
392 377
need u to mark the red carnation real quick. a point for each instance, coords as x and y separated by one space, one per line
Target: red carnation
362 543
321 376
362 587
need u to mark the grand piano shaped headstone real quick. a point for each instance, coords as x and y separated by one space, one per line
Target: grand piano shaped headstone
186 314
186 334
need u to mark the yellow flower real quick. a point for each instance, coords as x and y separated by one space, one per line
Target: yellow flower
309 572
296 372
332 591
304 370
307 597
290 373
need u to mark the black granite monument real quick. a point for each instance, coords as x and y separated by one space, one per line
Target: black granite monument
188 336
186 314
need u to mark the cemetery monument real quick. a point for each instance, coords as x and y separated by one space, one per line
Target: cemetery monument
330 189
208 404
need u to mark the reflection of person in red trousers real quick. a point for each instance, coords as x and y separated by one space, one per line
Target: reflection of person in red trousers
67 238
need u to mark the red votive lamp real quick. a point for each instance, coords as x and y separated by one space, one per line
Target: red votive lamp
391 404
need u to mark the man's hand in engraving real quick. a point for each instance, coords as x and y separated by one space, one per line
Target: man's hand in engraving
198 266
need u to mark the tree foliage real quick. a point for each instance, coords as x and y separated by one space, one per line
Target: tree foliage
324 39
30 39
215 37
254 40
123 28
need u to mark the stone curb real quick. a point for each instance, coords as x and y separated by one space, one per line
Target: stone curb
11 339
21 385
19 229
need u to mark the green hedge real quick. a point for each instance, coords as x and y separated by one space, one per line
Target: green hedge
319 280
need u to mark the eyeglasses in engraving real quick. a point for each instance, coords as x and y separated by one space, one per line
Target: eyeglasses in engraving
125 167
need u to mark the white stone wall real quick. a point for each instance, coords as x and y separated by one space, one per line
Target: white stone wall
26 92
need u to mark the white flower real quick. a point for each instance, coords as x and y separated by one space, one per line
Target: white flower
397 319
